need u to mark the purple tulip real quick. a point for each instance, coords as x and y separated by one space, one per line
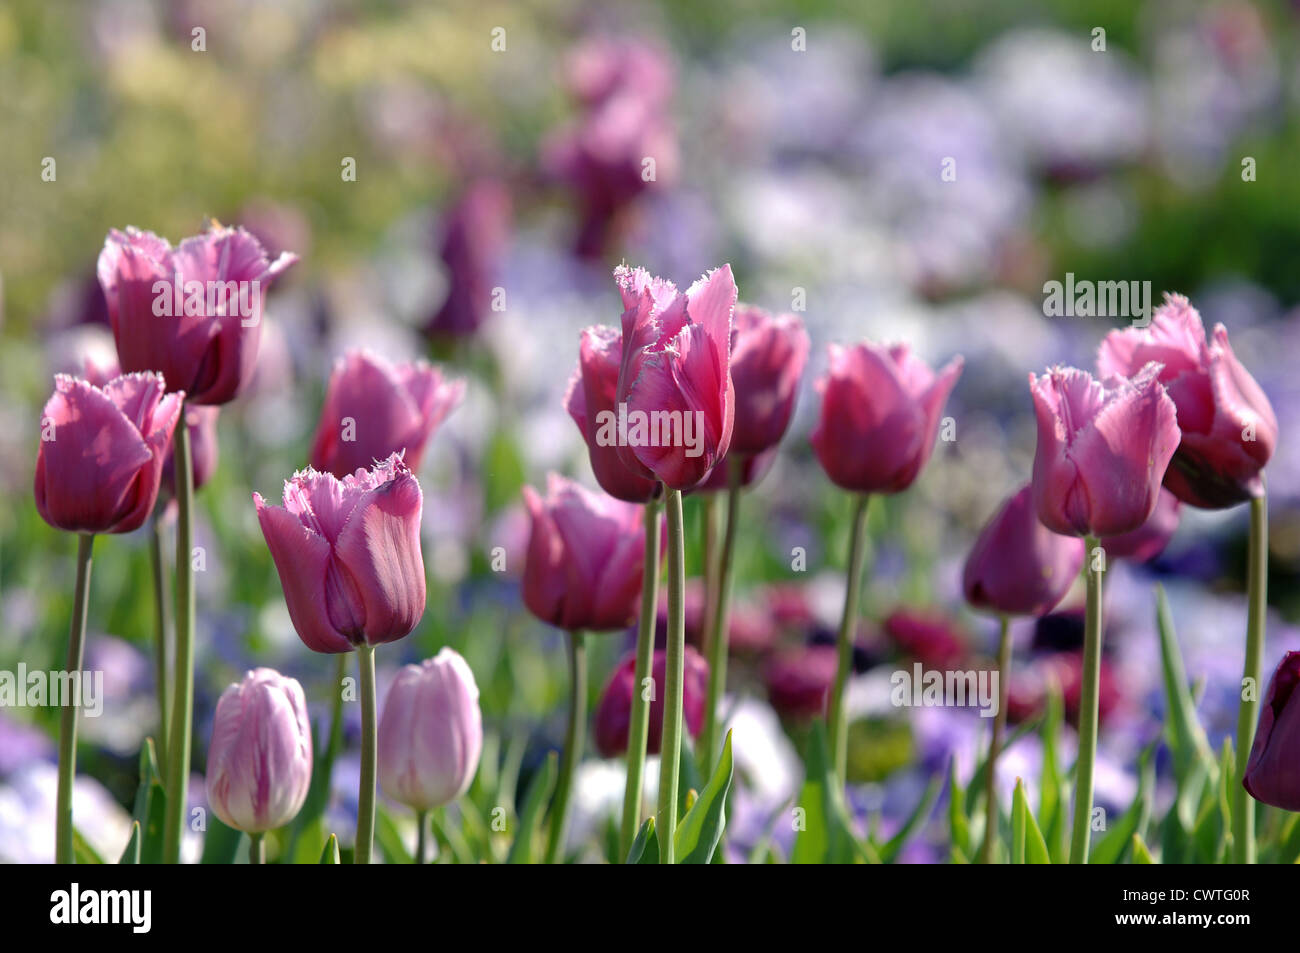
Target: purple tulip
1273 771
879 416
102 451
768 354
1228 427
1102 449
1018 566
675 376
799 680
1150 539
585 558
614 711
348 554
374 409
431 733
472 245
192 313
259 761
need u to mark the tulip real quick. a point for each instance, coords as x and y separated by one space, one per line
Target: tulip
1273 771
1150 539
430 735
614 711
929 637
1228 427
798 681
202 425
192 313
260 757
472 245
768 355
374 409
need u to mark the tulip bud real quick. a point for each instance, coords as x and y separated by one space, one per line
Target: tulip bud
102 450
585 557
1273 771
880 416
472 244
259 761
799 681
768 355
614 712
374 409
431 733
1102 450
1018 566
1228 427
348 554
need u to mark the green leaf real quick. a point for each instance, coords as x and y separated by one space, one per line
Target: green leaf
150 807
826 836
1110 848
82 852
1053 799
132 853
330 855
1140 853
539 793
221 844
1187 738
699 832
389 838
688 779
645 848
452 836
920 814
959 827
1028 845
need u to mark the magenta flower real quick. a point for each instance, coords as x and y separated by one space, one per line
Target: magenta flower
102 450
880 415
614 711
585 557
675 378
1150 539
1018 566
592 395
374 409
259 760
472 246
202 423
192 313
348 554
431 733
1102 450
799 680
1273 771
1228 427
768 354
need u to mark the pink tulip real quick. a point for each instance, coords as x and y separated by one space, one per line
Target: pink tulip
1018 566
431 733
259 761
1228 427
675 377
593 392
1102 450
880 415
768 354
192 313
799 680
1150 539
1273 771
585 557
472 246
614 711
348 554
374 409
102 450
202 422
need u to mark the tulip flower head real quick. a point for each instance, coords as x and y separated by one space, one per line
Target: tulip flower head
1273 771
102 450
193 312
1103 449
768 354
676 401
348 554
1228 427
473 242
431 733
374 409
585 558
614 711
880 416
260 760
1150 539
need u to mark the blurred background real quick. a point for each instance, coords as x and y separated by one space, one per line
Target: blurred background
498 153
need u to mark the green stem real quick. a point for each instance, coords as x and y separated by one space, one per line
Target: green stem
837 714
160 636
716 636
639 724
574 740
178 755
1243 816
1088 702
366 796
421 823
670 750
71 708
995 746
257 848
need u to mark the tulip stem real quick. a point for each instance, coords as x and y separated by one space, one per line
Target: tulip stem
837 713
575 737
68 717
1243 815
670 750
160 635
421 824
1088 704
995 745
257 848
182 713
369 764
718 628
639 723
